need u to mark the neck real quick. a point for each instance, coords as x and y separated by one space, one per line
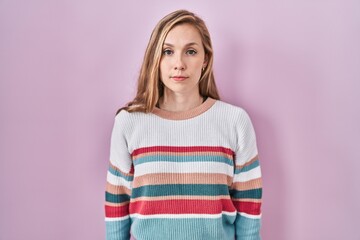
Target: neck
180 102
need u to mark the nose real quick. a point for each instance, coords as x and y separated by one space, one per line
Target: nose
179 63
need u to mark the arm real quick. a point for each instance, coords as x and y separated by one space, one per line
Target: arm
118 184
246 189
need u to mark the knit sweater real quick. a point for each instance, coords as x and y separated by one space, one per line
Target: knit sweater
190 175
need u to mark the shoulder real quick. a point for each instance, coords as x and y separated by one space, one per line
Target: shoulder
236 116
129 120
122 116
232 110
122 120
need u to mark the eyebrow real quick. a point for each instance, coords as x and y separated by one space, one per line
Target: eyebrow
188 44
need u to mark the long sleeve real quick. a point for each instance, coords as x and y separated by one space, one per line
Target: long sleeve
118 184
246 189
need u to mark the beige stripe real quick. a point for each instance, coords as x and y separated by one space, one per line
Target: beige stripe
247 163
116 204
117 189
252 184
196 153
247 200
181 178
178 197
117 169
209 102
182 197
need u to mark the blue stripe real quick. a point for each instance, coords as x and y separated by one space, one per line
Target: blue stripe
184 228
167 158
116 198
247 228
118 229
119 174
180 189
247 168
252 193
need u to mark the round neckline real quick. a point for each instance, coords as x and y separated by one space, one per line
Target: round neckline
187 114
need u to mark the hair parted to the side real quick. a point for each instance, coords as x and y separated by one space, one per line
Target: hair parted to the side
150 88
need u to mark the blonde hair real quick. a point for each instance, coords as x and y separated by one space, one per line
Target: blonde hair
150 88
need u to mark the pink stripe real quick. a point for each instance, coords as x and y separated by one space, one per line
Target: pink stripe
253 208
182 206
181 149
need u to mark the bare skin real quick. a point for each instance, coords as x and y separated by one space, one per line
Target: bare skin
180 69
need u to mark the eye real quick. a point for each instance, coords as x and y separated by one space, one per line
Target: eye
167 52
191 52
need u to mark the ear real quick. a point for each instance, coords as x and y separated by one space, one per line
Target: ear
205 61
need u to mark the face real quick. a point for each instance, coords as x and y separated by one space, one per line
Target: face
182 60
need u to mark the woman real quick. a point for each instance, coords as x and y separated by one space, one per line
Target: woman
183 164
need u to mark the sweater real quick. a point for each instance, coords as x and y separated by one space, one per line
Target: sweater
190 175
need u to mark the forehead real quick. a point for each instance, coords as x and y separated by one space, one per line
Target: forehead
183 34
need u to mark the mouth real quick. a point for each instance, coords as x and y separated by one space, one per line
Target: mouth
179 78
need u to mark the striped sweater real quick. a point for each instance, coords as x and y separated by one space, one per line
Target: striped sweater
191 175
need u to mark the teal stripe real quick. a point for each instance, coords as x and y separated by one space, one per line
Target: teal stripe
116 198
247 228
253 193
184 228
180 189
167 158
119 174
118 229
247 168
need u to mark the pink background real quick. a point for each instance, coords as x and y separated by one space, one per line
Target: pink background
67 66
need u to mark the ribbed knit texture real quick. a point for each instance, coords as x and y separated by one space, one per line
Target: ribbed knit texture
191 175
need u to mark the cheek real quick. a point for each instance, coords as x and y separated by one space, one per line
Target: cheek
198 66
164 66
164 70
161 68
198 63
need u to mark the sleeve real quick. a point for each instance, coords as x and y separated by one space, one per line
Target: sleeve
118 184
246 189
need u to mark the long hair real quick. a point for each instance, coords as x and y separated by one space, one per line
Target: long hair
149 87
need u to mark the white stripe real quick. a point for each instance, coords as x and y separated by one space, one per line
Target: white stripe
248 175
118 181
183 167
107 219
249 215
172 216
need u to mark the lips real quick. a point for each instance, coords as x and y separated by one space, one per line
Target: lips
179 78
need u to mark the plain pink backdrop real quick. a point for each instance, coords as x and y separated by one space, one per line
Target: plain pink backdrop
67 66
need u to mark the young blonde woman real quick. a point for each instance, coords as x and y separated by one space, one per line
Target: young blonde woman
183 164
